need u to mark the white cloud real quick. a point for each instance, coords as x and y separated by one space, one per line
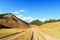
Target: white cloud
26 18
19 16
29 19
15 12
43 20
23 10
19 11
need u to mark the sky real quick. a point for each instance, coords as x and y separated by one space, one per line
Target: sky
29 10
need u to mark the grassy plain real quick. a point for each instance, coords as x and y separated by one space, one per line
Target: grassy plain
52 29
5 32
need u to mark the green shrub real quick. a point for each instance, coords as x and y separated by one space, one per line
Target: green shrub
50 21
58 19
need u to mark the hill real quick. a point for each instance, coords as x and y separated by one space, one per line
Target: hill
11 21
52 29
36 22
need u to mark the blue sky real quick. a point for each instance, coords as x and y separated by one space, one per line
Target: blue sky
29 10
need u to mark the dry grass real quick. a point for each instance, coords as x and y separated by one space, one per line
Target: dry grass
26 35
52 29
4 32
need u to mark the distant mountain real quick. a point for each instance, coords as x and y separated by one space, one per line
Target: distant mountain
36 22
10 20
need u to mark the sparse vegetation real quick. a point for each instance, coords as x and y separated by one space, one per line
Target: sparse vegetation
50 21
58 19
52 29
38 22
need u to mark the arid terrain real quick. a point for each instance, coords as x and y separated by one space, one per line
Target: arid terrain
13 28
48 31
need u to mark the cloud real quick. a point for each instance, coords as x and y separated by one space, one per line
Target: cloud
19 11
29 18
23 10
42 19
20 16
15 12
25 18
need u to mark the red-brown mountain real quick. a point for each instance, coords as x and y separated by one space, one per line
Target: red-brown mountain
11 21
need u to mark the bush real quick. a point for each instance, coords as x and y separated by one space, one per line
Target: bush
58 20
50 21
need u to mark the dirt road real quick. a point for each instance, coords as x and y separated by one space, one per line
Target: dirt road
30 34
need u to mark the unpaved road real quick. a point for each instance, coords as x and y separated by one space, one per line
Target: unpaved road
30 34
43 36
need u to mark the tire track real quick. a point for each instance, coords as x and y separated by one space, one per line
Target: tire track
21 36
12 34
40 36
26 36
37 36
32 36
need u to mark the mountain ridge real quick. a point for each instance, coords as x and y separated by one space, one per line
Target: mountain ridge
11 20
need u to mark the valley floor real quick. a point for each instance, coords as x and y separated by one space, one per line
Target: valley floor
25 34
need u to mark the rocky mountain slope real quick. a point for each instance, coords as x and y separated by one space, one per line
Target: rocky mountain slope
10 20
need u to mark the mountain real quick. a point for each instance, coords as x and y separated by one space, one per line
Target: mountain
36 22
11 21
